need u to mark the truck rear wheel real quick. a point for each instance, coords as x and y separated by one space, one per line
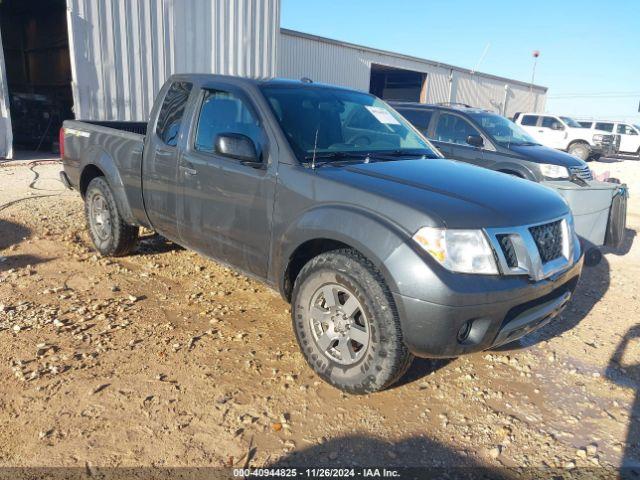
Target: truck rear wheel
346 323
580 150
108 231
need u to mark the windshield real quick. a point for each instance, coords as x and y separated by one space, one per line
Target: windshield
571 122
637 125
502 130
322 122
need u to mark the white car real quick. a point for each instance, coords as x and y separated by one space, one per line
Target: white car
629 133
564 133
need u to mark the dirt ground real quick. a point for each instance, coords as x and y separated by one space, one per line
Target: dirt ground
165 358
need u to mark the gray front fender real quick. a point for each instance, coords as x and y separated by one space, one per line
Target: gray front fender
373 237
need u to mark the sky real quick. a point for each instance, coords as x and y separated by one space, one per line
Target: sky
589 50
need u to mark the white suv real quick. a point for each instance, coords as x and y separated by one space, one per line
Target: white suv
629 133
564 133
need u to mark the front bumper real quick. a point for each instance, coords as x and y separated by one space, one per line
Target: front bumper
434 330
603 149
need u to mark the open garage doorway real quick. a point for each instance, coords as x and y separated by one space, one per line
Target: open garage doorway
38 70
391 83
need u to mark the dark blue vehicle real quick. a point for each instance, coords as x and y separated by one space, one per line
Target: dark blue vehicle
491 141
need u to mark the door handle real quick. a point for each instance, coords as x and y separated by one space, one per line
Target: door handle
540 131
189 171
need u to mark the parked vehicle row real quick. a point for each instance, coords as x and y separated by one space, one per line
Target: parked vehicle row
491 141
566 134
384 249
629 134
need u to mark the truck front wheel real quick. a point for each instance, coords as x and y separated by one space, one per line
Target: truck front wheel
346 323
108 231
580 150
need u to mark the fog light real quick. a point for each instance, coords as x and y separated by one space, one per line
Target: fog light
465 330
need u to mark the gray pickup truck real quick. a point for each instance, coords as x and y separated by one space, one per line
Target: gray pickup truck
384 249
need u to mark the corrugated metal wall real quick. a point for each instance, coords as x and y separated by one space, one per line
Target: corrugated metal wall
329 61
123 50
6 135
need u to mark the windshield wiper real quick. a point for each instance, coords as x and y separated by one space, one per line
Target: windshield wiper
401 153
324 158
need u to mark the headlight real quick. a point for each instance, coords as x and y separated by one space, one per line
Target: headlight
598 138
464 251
554 171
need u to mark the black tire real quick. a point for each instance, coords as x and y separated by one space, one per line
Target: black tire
592 257
386 358
111 236
580 150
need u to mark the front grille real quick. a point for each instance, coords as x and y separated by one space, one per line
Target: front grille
581 172
509 251
608 140
548 238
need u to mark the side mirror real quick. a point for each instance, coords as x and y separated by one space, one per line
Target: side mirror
475 141
557 126
238 146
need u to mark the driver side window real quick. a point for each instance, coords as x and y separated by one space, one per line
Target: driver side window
223 112
549 122
453 129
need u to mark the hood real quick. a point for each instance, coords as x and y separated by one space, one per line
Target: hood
542 154
458 194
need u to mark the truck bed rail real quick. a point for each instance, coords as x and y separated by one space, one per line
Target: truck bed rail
133 127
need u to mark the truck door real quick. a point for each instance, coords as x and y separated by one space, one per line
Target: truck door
160 165
450 135
553 132
225 205
529 124
629 138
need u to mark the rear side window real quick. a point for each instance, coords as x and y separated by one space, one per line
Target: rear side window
418 117
172 111
453 129
626 130
529 120
607 127
585 124
224 112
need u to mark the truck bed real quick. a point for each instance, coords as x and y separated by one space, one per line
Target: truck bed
113 147
139 128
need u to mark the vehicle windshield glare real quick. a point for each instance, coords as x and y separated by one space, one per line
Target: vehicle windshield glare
571 122
327 121
502 130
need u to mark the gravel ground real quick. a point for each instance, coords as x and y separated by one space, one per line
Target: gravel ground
165 358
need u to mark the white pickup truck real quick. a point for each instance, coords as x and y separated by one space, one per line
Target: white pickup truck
564 133
629 133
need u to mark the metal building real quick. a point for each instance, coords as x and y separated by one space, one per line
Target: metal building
107 59
394 76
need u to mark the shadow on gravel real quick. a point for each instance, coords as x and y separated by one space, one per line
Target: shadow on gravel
20 261
154 244
12 233
421 367
594 283
414 452
414 458
628 376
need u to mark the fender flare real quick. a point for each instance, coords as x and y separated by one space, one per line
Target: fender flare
374 237
516 168
97 157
